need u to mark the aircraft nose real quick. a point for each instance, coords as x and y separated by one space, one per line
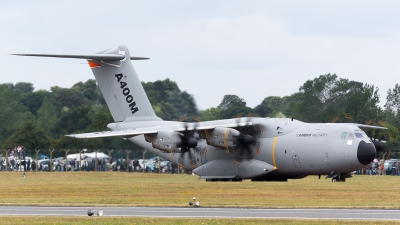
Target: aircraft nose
365 152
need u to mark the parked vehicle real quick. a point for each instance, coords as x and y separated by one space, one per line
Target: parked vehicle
388 165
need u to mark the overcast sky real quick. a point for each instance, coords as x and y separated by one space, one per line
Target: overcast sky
253 49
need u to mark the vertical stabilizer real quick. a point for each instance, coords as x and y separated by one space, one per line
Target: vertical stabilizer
118 83
121 87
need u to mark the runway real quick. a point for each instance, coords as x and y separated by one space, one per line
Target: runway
349 214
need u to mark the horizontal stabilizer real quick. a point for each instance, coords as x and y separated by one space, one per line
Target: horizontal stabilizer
107 57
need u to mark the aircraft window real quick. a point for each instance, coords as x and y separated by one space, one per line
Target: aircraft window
344 135
350 136
359 135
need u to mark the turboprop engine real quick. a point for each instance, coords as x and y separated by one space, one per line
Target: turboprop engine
171 141
228 138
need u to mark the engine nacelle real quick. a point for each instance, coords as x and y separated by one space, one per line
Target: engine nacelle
223 137
166 141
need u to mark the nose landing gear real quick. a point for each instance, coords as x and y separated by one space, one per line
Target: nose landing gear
338 177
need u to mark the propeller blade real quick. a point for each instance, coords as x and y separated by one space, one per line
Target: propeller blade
245 139
187 138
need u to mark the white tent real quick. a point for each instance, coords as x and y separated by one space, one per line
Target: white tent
100 155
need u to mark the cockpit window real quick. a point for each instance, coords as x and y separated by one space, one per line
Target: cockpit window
359 135
344 135
350 136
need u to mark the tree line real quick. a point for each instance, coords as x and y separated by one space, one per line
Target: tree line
41 119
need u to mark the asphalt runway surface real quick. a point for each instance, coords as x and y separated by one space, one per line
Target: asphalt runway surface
348 214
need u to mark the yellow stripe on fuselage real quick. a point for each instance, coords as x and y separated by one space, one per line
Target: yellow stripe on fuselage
273 153
225 141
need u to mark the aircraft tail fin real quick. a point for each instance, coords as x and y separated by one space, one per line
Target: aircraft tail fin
118 82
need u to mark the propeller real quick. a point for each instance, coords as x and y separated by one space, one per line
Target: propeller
188 146
245 140
379 142
188 140
343 119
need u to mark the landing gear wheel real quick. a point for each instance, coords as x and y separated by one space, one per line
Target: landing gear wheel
335 179
342 179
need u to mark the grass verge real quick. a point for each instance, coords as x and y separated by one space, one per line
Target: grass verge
138 189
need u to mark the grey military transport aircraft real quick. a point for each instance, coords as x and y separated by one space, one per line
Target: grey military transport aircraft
260 149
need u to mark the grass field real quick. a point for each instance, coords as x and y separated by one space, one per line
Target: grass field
138 189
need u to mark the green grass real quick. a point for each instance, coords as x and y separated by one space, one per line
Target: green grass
161 221
138 189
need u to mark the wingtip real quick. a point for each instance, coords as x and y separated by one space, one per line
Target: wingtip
139 58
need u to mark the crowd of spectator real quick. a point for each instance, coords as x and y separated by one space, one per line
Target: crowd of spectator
375 168
381 167
18 161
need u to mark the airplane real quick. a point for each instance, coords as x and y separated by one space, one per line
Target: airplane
259 149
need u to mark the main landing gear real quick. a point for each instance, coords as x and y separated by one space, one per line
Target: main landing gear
338 179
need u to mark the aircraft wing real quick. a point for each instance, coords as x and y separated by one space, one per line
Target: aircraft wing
213 124
208 125
114 133
370 126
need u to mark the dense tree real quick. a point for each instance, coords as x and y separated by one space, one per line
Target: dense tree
264 109
168 102
231 100
101 118
35 99
273 105
210 114
328 97
183 103
160 91
73 121
30 136
87 89
361 102
24 87
10 86
392 106
321 98
393 99
47 116
12 112
233 106
165 111
65 97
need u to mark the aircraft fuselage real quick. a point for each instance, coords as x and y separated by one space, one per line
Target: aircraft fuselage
294 149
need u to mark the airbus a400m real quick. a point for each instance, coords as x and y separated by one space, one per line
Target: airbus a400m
260 149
